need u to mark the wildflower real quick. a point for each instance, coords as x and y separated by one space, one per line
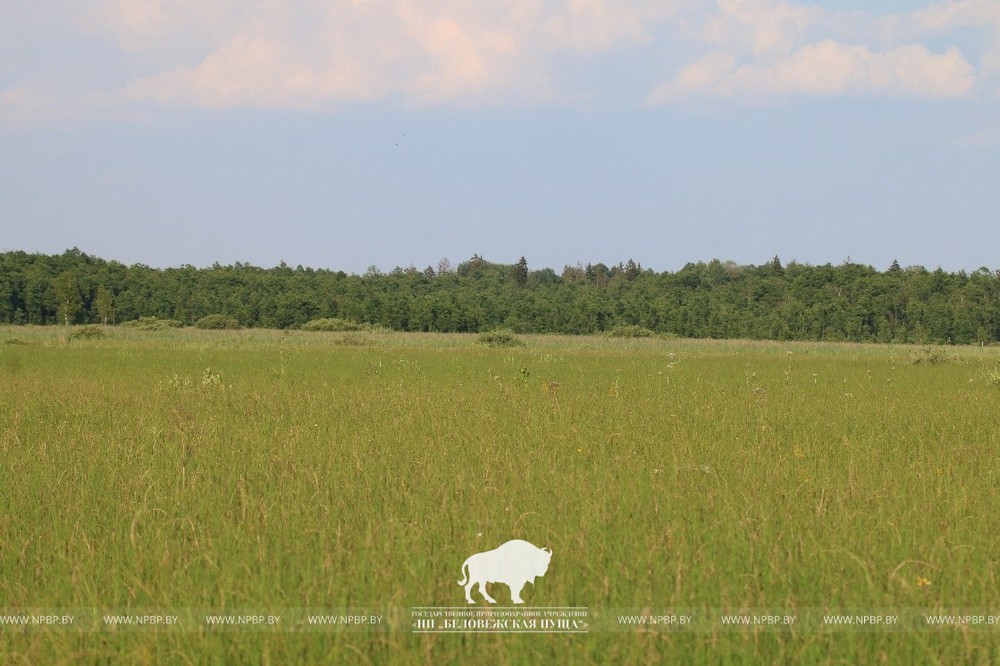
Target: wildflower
923 582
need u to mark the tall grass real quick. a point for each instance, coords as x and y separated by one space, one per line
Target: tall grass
185 469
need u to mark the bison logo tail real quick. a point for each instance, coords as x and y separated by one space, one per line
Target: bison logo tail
465 574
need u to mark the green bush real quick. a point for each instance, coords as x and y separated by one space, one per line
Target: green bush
337 325
152 324
630 331
89 332
502 337
217 322
930 356
332 324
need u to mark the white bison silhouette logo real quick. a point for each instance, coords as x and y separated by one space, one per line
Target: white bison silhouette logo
515 564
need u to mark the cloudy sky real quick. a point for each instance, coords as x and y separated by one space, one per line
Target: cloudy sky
349 133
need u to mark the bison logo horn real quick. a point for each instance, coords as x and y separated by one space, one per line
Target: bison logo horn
515 564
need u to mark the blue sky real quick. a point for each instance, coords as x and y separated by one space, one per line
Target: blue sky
342 134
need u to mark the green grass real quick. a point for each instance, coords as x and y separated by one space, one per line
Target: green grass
185 469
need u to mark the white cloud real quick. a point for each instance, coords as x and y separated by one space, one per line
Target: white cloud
826 68
975 14
699 76
323 54
254 72
762 49
174 28
454 53
596 25
134 22
759 26
960 13
312 54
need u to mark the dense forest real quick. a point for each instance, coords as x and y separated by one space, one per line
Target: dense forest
717 299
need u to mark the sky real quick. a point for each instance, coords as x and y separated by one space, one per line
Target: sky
345 134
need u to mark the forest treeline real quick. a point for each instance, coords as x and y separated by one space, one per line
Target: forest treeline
716 299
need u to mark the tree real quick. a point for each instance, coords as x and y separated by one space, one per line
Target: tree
70 302
850 301
473 268
519 272
631 270
600 274
444 266
776 268
105 305
573 275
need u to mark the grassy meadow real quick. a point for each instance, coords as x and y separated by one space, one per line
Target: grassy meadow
265 470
